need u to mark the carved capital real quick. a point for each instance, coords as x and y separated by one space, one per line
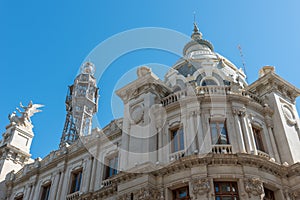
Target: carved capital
254 186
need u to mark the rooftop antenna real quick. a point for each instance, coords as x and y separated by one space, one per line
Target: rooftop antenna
243 60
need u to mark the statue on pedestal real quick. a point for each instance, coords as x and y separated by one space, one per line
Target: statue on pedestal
28 112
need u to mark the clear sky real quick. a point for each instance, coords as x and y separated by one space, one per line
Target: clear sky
43 43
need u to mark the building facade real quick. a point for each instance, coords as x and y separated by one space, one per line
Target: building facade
202 133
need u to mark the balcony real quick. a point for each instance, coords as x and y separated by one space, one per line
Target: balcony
176 155
106 183
263 154
222 149
73 196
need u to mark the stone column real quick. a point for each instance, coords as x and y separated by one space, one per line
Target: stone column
192 136
273 143
250 143
207 144
89 173
251 136
28 191
92 181
55 186
239 132
199 130
61 180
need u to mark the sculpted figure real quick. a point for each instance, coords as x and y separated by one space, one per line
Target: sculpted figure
28 112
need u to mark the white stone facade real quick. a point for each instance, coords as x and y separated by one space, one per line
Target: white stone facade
184 137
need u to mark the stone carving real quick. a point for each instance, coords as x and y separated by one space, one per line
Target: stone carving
28 112
137 113
200 186
254 186
149 194
143 71
288 114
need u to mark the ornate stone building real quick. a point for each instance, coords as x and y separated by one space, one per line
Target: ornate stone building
202 133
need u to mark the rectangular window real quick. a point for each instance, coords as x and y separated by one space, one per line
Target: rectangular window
45 192
226 191
181 193
218 132
258 138
112 166
177 140
269 194
75 181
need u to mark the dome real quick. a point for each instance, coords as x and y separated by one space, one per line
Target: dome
201 65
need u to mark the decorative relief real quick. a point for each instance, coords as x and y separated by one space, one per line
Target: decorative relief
254 186
288 114
200 186
149 194
137 113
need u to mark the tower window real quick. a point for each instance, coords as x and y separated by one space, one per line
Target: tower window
75 181
226 191
258 138
181 193
219 132
177 139
45 192
269 194
112 166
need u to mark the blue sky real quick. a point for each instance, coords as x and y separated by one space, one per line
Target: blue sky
43 44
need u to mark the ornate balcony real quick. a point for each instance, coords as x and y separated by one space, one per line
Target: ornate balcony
263 154
73 196
176 155
222 149
106 183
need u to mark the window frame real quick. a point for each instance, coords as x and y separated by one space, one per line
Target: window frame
271 192
177 140
175 193
219 131
45 191
109 170
222 194
258 138
75 185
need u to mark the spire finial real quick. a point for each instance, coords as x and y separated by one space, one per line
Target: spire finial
196 34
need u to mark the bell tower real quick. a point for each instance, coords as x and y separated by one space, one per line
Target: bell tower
81 105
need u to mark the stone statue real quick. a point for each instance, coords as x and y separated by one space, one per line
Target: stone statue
28 112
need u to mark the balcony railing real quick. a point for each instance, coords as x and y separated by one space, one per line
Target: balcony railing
212 90
263 154
176 155
222 149
106 183
73 196
173 97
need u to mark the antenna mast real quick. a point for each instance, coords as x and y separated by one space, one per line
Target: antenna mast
243 61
